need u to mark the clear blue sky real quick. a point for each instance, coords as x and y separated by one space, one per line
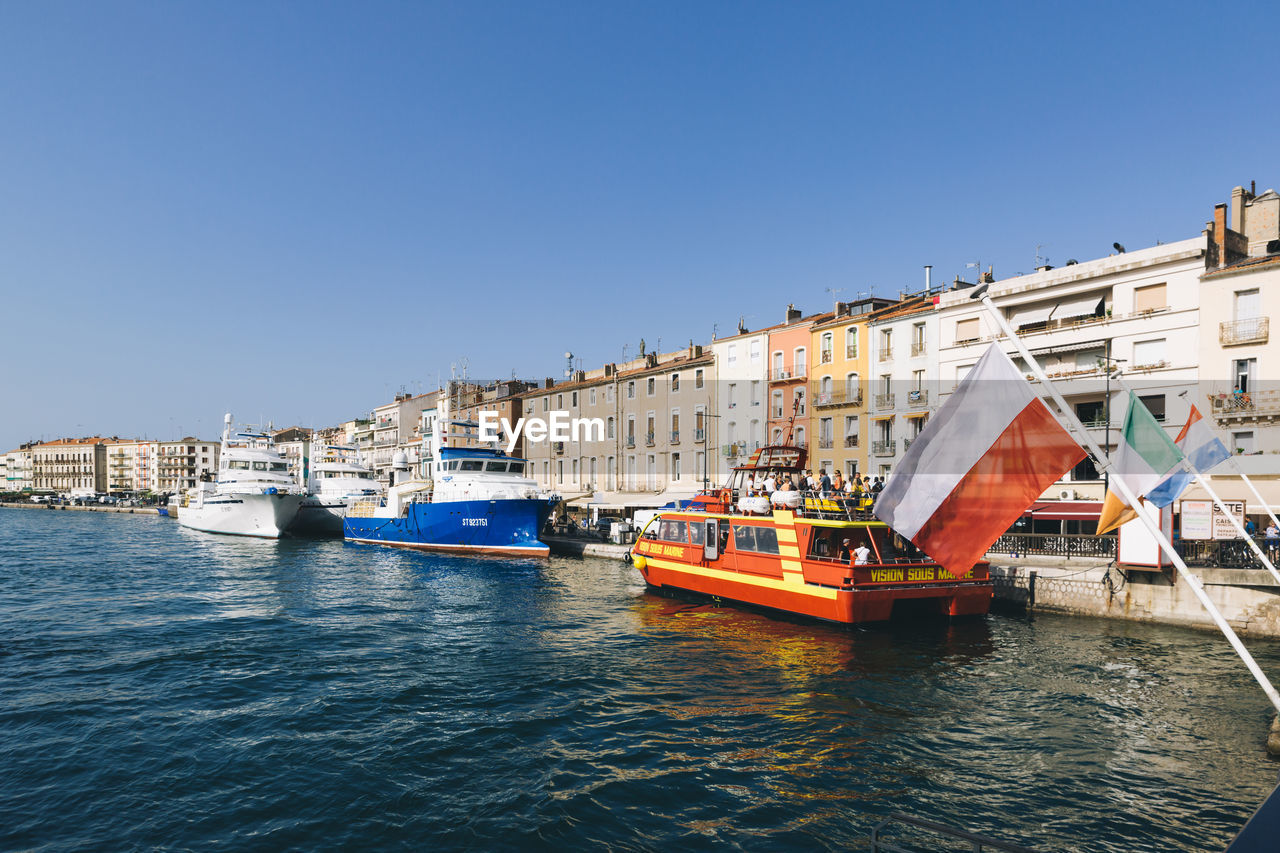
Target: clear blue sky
291 210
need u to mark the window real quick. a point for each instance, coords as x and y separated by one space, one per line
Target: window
592 396
1242 442
1247 306
800 363
609 426
1151 297
778 371
967 330
852 388
851 342
651 386
546 404
608 393
697 378
755 392
797 405
917 380
675 382
631 390
673 531
573 399
732 395
1149 353
1246 371
777 404
917 339
733 355
1092 413
575 470
1155 405
559 401
675 466
762 540
825 348
756 352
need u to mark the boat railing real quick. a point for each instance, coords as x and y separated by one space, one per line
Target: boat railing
363 507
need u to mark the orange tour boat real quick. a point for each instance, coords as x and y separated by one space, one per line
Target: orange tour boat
827 558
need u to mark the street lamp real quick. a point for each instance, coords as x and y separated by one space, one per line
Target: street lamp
1106 474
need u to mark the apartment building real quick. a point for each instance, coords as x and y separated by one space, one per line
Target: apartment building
180 464
17 470
294 444
70 465
391 426
132 466
788 414
1139 310
904 371
741 395
837 404
1239 362
654 429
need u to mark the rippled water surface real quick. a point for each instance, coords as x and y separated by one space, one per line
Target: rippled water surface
165 688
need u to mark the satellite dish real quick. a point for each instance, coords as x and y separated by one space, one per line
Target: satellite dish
1072 262
1118 248
568 355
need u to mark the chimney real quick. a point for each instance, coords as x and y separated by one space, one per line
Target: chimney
1237 208
793 313
549 383
1220 234
928 277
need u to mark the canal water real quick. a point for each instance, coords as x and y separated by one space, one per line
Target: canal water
163 688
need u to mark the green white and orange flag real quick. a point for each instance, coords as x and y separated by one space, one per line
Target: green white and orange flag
1145 454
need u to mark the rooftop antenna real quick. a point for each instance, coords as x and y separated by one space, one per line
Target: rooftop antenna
568 365
625 347
835 298
977 265
1040 260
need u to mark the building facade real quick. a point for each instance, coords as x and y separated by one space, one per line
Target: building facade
180 464
132 467
70 466
903 382
17 470
837 403
741 396
789 379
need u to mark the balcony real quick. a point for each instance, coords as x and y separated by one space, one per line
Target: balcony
850 352
886 354
884 448
780 373
558 447
699 436
649 439
675 436
834 396
825 442
1253 407
886 401
919 397
826 357
1252 330
630 442
917 349
850 441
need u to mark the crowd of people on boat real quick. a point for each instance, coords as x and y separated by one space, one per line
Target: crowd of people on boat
821 485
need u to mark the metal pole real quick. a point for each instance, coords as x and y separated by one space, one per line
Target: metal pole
1123 488
1235 466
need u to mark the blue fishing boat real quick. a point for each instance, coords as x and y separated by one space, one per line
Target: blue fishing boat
473 500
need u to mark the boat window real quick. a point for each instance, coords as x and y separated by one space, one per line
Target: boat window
697 532
236 465
279 466
517 467
495 466
260 466
673 531
471 465
762 540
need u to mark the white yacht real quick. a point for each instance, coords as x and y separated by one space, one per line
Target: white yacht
254 494
337 477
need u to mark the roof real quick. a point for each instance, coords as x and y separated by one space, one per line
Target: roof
906 308
1247 265
76 442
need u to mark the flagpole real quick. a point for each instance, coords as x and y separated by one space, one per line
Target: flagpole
1222 507
1122 487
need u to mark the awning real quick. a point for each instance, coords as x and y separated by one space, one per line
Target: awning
882 417
1061 348
1080 306
1029 315
915 414
1064 510
638 500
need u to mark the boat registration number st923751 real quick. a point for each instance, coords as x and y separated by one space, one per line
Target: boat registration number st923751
475 522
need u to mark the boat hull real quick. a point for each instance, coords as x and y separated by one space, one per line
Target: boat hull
318 517
497 527
266 516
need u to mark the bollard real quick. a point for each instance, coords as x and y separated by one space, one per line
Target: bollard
1031 590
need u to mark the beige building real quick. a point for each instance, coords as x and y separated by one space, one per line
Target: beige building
1239 361
180 464
652 436
70 465
132 466
15 470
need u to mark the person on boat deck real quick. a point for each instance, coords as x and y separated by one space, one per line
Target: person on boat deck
824 482
770 484
837 484
861 554
787 485
846 549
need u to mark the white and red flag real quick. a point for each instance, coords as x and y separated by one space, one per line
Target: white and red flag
987 454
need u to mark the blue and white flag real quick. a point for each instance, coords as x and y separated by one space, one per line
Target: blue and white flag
1202 449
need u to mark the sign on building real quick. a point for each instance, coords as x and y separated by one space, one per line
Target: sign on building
1203 520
